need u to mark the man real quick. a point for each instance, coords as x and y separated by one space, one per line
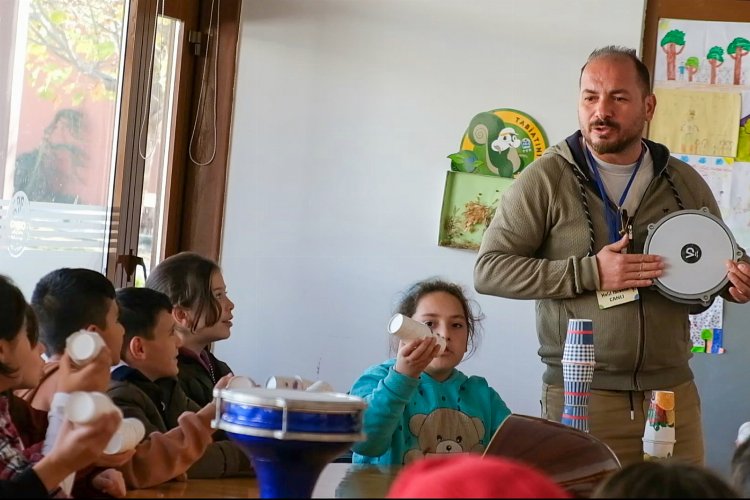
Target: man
553 239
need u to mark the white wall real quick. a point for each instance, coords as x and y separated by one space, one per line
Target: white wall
345 112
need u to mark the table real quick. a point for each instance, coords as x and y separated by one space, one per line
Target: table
338 480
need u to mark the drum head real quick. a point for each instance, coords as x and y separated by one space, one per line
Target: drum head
290 414
694 245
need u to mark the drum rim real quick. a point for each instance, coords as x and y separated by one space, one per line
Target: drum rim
346 404
706 296
329 437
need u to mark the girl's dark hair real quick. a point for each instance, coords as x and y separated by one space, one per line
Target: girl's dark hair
14 311
186 279
473 314
664 479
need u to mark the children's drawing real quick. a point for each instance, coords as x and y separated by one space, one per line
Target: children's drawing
743 138
696 122
707 330
501 142
729 181
691 52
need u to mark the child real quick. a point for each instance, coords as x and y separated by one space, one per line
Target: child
24 471
203 312
740 467
146 387
419 404
473 476
664 479
67 300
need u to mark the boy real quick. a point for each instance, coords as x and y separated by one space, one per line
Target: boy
67 300
145 386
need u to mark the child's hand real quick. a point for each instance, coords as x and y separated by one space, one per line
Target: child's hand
223 382
114 459
110 481
413 357
92 377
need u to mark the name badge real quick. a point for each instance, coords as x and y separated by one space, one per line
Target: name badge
611 298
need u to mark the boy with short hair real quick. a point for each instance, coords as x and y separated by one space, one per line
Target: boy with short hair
70 299
145 385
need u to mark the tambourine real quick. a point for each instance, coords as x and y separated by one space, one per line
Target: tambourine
694 246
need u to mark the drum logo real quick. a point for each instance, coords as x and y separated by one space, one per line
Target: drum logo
691 253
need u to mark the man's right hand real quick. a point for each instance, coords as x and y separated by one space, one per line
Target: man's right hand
619 270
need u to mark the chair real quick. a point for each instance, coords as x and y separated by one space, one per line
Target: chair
576 460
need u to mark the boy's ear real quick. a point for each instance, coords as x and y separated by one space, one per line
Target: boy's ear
136 348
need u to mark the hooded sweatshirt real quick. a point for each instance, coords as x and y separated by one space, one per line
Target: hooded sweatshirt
542 245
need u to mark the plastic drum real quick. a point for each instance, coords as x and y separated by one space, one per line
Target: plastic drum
289 435
694 245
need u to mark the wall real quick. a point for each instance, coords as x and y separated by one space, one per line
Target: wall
345 113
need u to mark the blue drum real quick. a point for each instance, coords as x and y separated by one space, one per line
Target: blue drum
289 435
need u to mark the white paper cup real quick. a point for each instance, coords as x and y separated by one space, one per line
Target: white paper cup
127 437
281 382
240 382
320 386
406 328
657 449
83 407
83 346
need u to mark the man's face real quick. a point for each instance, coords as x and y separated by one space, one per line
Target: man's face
612 109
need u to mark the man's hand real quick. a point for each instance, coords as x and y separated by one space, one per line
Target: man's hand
624 270
739 276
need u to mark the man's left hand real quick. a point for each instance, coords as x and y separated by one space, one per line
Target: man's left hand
739 277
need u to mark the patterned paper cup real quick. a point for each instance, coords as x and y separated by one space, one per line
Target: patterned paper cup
576 416
580 331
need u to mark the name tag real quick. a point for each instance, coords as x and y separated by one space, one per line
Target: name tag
612 298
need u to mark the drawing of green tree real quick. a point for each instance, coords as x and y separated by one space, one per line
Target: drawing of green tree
672 39
691 65
715 58
737 49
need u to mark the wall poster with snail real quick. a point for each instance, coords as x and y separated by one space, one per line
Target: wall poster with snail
495 148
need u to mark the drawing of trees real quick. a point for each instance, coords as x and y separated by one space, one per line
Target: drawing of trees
715 58
669 44
737 49
691 65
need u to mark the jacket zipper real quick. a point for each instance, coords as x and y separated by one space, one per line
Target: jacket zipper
641 350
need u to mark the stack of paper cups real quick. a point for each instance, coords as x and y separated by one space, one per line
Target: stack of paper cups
83 407
406 328
659 435
130 433
578 372
83 346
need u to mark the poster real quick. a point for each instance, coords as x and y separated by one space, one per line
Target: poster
709 53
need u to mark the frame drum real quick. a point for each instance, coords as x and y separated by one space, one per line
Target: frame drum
289 435
694 245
